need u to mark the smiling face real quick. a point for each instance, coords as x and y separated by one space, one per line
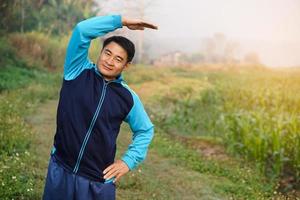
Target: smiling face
112 61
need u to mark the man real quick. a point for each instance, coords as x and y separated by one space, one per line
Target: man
94 101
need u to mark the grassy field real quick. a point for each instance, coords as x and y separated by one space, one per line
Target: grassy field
17 149
227 133
22 89
192 156
254 114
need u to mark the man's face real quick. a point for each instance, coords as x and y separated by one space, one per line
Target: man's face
112 61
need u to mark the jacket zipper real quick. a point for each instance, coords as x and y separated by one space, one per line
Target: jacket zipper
86 138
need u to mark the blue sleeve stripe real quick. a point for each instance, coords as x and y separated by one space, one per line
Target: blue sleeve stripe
77 52
143 132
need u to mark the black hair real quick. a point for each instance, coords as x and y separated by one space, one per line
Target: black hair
125 43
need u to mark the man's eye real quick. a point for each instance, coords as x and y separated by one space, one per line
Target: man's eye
118 60
107 53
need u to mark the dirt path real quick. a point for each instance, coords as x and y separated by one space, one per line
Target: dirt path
158 178
43 124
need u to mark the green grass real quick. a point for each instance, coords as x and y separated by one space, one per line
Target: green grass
172 166
260 114
22 89
17 170
38 50
256 115
239 180
253 113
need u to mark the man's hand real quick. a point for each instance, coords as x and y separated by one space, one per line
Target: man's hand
136 24
117 169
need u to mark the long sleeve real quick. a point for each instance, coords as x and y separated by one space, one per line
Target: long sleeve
143 131
77 52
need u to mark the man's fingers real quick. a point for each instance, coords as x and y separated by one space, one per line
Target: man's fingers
136 27
140 25
148 25
108 168
116 170
117 178
111 173
117 174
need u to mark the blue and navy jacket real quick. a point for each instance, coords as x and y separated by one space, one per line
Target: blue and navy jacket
91 109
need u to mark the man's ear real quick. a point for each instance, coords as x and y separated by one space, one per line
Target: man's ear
127 65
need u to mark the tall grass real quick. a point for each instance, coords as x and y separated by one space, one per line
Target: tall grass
40 50
22 88
262 119
255 113
17 172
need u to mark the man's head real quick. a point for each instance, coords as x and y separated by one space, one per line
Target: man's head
116 55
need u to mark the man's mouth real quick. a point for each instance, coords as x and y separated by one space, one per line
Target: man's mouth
107 68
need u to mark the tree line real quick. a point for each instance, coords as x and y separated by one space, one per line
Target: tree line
53 17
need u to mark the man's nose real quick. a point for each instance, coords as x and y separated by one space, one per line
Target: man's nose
110 61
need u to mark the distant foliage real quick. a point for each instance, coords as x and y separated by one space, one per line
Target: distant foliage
7 52
39 50
54 17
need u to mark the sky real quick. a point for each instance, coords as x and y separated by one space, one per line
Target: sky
270 28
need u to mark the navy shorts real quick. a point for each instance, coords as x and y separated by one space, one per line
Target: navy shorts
61 184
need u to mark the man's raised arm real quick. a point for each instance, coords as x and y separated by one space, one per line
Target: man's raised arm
77 52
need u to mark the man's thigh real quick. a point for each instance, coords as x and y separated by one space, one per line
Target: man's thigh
60 184
86 189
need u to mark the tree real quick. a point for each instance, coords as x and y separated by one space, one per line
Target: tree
219 49
59 16
252 58
51 16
